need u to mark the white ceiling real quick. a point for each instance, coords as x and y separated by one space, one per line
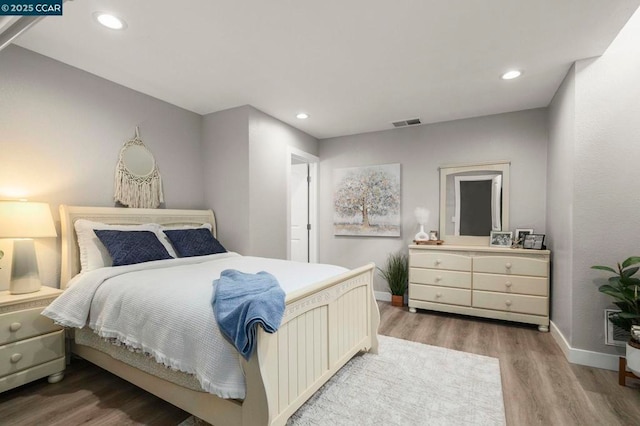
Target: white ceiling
353 65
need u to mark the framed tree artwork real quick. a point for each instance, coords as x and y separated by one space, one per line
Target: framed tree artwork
366 201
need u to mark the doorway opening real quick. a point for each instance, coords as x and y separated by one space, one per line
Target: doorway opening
302 206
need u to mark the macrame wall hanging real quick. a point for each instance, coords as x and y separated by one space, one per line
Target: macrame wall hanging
138 182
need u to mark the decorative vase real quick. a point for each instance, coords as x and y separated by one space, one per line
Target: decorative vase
422 217
633 357
397 300
420 236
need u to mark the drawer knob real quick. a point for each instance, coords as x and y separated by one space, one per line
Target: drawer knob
16 357
438 261
508 303
15 326
508 284
508 265
439 278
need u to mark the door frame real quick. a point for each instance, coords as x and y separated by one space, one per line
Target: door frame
313 161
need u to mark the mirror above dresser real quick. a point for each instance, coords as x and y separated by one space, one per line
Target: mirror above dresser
474 200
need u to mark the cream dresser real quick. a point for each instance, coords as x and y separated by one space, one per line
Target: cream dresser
31 345
502 283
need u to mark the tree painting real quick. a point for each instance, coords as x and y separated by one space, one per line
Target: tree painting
367 200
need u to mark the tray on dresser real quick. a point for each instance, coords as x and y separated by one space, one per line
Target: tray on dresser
429 242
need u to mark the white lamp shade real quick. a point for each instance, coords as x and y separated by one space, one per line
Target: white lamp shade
23 219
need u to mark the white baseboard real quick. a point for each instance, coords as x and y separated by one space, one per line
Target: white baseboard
581 356
384 296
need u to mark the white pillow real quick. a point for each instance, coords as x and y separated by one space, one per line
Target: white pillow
94 255
165 240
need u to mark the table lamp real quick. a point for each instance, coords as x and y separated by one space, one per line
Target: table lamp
22 221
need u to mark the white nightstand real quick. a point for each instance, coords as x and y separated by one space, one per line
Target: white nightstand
31 345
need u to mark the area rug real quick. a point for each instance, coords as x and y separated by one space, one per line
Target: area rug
407 383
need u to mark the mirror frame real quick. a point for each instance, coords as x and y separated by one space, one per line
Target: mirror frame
447 170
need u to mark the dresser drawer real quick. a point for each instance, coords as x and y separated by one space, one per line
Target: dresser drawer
535 305
511 265
21 325
27 353
450 296
510 284
454 262
440 278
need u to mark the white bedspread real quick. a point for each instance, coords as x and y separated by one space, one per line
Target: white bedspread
164 309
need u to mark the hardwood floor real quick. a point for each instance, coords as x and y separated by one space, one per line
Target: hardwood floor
540 387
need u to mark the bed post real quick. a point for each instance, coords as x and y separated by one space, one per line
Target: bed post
260 405
374 315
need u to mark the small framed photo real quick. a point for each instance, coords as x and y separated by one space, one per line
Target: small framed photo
533 241
520 233
500 238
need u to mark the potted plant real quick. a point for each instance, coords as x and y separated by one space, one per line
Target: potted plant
396 273
623 288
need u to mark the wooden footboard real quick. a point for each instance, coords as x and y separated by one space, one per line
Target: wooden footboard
322 329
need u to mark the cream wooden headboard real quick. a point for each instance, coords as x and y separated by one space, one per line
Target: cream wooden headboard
70 266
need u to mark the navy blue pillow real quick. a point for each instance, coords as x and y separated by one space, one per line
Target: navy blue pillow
129 247
194 242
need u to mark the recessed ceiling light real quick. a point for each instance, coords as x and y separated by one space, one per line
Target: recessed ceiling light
110 21
510 75
302 115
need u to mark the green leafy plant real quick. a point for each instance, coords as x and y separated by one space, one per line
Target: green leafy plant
623 288
396 273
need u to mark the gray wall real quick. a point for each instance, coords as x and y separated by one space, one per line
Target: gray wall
61 130
245 160
560 187
606 223
520 137
225 153
269 140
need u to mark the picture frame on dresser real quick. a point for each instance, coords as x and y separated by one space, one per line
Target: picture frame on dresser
520 234
533 241
500 238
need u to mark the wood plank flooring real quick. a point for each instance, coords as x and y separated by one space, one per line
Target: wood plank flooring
540 387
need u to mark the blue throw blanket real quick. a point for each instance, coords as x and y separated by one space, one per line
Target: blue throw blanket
241 301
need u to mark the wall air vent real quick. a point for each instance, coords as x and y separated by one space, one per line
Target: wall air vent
409 122
614 335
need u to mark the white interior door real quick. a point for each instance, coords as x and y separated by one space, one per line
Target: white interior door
299 212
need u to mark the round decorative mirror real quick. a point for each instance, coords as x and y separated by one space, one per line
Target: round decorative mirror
138 160
138 183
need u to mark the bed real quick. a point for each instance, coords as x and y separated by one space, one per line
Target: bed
324 325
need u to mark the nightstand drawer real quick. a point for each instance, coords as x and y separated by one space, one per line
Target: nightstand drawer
517 284
511 265
535 305
450 296
449 261
440 278
18 356
21 325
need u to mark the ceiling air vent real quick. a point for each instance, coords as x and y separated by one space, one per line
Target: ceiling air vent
409 122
